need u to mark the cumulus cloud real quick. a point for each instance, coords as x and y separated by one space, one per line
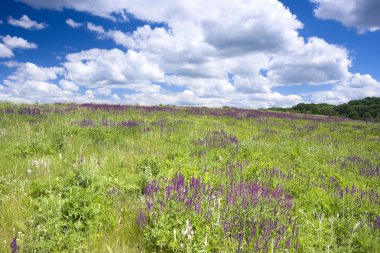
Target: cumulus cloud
26 23
104 91
362 15
17 42
97 7
72 23
95 28
30 82
234 99
68 85
9 43
317 62
30 71
357 86
5 52
260 26
97 68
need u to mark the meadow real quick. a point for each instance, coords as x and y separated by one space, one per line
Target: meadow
113 178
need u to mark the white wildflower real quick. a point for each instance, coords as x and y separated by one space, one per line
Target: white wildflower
188 231
36 163
175 234
356 226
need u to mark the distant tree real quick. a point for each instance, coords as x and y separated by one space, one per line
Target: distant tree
368 116
364 109
353 114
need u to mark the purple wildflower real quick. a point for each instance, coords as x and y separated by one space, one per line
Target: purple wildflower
141 220
14 245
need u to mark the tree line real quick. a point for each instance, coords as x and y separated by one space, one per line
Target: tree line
367 109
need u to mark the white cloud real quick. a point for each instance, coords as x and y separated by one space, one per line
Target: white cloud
16 42
363 15
317 62
30 71
67 85
116 97
10 43
95 28
72 23
97 68
234 99
30 82
357 86
260 26
95 7
5 52
26 22
104 91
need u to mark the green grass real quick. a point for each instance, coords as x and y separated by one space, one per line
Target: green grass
71 188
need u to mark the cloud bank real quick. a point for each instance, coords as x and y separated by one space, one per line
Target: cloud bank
213 53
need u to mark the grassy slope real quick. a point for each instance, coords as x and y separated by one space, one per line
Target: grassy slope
111 156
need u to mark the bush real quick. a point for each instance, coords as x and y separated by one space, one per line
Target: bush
67 212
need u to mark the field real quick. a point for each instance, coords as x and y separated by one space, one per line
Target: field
102 178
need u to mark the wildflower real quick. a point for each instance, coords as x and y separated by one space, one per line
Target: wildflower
14 245
141 221
188 231
206 243
175 234
29 171
35 163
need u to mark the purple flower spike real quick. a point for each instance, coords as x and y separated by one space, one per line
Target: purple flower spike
377 223
141 221
14 245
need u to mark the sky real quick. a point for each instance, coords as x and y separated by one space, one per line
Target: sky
239 53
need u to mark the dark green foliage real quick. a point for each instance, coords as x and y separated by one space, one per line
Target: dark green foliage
365 109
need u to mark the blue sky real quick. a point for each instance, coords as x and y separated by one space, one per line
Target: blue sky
252 54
